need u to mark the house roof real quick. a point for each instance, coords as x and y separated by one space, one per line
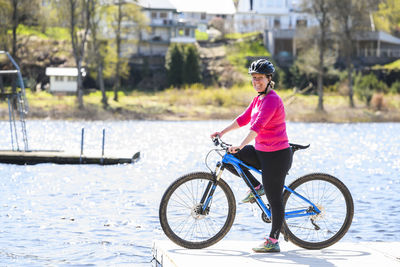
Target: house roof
156 4
378 36
52 71
226 7
386 37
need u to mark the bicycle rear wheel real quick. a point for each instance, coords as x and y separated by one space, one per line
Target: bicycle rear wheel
334 201
180 216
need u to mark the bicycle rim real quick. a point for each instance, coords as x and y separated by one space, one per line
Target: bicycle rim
334 201
180 217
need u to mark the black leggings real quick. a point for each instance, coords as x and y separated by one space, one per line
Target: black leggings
274 166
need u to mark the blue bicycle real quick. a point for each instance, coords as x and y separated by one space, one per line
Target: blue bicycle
198 209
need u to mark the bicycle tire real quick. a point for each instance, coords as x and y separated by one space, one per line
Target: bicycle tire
301 231
184 195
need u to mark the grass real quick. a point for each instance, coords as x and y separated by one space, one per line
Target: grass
236 36
199 103
237 53
51 33
201 36
395 65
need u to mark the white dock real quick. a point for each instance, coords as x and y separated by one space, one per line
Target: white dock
239 253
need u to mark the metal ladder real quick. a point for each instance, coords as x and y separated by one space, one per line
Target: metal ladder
17 103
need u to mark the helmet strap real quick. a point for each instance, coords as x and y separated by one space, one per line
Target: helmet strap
266 89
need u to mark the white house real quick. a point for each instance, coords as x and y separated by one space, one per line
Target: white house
63 80
175 21
200 13
261 15
165 28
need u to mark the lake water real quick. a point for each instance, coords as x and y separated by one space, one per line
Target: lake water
108 215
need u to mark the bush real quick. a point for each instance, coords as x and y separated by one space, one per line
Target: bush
366 85
395 88
294 78
378 101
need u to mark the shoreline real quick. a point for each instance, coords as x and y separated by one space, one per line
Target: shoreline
90 113
203 104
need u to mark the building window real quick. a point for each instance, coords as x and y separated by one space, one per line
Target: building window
163 15
187 32
71 79
153 15
277 23
203 16
301 23
59 78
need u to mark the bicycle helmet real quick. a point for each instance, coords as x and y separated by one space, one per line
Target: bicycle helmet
262 66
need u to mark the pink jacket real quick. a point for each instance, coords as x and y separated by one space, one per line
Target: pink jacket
267 119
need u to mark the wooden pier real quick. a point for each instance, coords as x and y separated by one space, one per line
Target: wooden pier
239 253
59 157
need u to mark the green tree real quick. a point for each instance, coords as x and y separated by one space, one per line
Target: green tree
5 10
387 18
124 18
98 47
174 64
77 14
12 14
192 67
320 9
308 62
349 18
47 16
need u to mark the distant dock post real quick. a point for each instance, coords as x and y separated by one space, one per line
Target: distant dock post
102 147
82 138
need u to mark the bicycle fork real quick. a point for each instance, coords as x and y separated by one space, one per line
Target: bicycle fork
210 189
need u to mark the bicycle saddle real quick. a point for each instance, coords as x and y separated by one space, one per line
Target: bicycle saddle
296 147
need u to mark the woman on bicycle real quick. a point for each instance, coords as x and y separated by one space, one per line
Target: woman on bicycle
271 153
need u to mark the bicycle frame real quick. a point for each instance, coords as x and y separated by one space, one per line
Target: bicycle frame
238 164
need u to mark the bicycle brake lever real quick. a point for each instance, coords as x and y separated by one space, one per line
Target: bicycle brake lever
216 142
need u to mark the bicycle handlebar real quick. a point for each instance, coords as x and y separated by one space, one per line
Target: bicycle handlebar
218 142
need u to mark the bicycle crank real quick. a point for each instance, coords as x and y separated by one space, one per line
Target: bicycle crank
265 218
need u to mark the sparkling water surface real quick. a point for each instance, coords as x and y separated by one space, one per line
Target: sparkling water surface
86 215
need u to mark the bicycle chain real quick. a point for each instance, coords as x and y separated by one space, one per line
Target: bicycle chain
301 227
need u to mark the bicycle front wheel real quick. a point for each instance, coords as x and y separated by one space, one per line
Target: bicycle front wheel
334 201
180 216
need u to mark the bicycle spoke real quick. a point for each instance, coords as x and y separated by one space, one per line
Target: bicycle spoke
184 208
326 195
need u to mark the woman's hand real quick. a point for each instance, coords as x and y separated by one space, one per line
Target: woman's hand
233 149
216 134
